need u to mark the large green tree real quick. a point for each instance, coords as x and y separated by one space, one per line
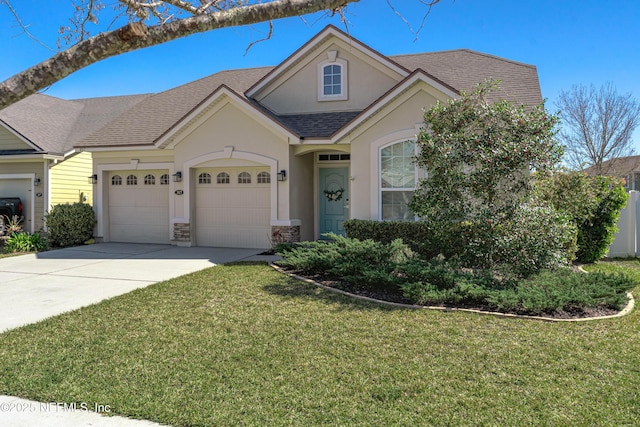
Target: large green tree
479 157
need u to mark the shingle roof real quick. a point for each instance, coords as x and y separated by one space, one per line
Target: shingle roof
55 125
142 120
318 125
149 120
459 69
463 69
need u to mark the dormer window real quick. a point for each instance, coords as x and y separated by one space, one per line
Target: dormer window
332 78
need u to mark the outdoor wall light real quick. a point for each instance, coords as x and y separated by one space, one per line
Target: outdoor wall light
177 177
93 179
36 182
282 175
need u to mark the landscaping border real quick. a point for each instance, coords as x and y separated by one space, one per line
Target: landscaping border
628 309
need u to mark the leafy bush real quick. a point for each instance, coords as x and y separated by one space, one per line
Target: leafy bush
374 266
25 242
366 263
417 235
592 203
533 238
70 224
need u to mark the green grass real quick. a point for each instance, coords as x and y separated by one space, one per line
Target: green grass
246 345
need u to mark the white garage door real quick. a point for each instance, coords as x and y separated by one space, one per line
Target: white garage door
19 188
233 207
139 206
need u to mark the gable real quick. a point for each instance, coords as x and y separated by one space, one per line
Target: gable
9 141
293 86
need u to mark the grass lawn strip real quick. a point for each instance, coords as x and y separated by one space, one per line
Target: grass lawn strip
246 345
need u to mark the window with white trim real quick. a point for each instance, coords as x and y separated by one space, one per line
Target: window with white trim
222 178
397 181
132 180
332 79
149 180
164 179
116 180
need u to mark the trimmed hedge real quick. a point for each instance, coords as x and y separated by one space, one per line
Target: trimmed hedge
70 224
417 235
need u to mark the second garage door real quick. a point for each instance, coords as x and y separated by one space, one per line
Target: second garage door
233 207
139 206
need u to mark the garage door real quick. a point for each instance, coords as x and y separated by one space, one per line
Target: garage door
19 188
139 206
233 207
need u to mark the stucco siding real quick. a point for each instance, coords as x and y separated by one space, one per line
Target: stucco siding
69 180
297 92
246 139
393 124
9 141
302 193
31 193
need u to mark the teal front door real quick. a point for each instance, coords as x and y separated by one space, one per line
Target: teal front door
334 200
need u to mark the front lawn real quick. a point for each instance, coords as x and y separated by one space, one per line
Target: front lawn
246 345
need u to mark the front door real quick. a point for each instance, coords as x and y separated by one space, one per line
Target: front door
334 200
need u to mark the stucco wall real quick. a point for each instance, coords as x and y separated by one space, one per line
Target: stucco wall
297 92
8 141
302 194
228 125
395 123
38 206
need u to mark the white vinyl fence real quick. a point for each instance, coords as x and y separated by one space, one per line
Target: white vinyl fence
627 241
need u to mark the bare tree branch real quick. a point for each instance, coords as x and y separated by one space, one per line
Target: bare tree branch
24 27
137 35
598 127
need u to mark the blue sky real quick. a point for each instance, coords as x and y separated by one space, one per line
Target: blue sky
569 41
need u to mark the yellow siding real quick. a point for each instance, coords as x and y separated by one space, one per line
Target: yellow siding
8 141
69 180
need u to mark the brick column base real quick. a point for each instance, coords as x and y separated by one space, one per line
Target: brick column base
182 232
285 234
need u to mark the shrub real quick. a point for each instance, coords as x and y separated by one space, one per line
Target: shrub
592 203
70 224
25 242
417 235
533 238
365 263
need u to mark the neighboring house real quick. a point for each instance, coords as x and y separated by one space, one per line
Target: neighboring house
627 168
38 162
243 158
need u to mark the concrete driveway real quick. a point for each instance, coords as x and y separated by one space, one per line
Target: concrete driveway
36 286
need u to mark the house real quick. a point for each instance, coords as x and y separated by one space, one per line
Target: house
38 162
627 168
246 157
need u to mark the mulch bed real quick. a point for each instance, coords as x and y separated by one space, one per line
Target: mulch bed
396 296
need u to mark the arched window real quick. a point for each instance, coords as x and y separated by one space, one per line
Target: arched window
222 178
332 78
204 178
149 180
164 179
132 180
397 180
116 180
244 178
264 178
